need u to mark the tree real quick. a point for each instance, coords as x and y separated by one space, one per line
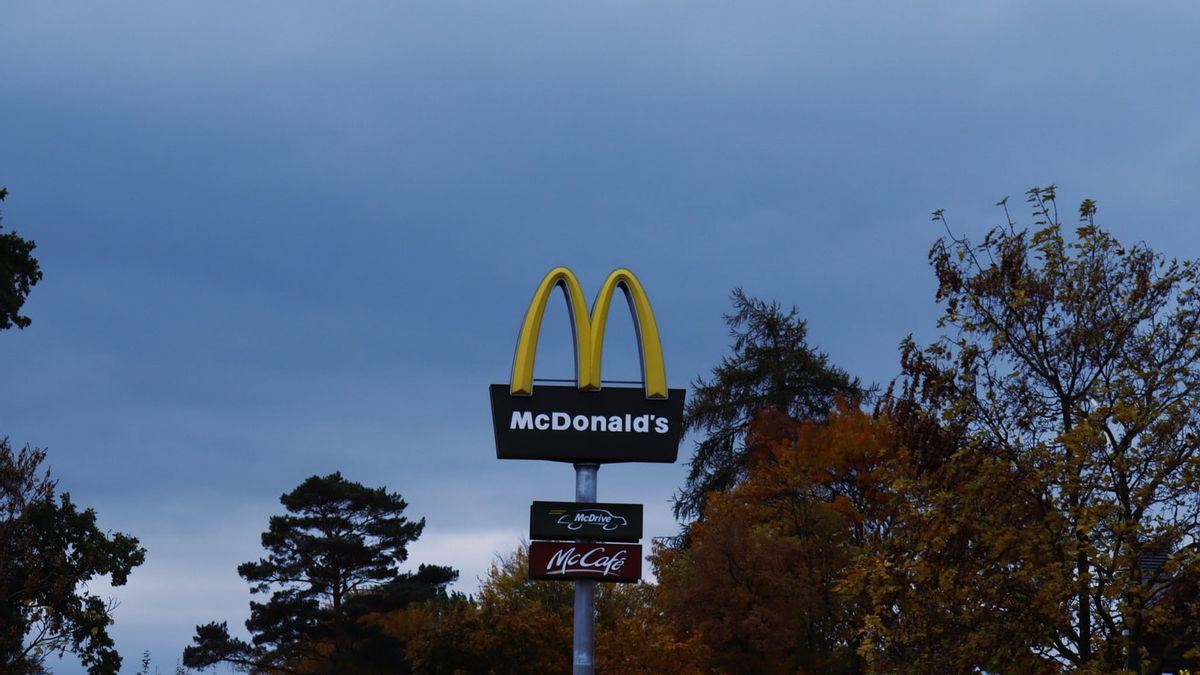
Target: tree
760 584
331 562
1063 411
518 625
772 366
49 550
515 625
19 271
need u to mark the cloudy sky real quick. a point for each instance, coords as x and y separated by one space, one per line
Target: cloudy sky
287 238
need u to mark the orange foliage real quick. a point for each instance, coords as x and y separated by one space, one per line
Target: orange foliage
516 625
759 585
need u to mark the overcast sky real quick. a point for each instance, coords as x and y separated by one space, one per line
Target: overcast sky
289 238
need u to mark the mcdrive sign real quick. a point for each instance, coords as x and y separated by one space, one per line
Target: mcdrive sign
586 423
585 560
585 520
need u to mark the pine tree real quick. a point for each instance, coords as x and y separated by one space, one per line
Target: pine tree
772 367
331 561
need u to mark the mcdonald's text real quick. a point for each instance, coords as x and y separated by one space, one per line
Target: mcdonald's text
569 425
561 421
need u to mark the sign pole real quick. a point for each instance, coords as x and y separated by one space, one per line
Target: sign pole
584 641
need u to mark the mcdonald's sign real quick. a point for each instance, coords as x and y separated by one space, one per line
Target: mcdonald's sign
588 422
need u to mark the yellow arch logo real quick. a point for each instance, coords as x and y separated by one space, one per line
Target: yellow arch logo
589 333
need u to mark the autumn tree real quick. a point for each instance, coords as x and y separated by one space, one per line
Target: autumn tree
49 550
772 366
513 625
759 585
518 625
332 561
1055 503
19 271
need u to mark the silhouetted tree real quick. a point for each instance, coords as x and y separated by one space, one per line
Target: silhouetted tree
19 271
331 562
49 550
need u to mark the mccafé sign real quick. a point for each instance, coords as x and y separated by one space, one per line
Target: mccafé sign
588 423
585 560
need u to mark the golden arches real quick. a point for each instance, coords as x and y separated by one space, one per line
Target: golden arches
589 332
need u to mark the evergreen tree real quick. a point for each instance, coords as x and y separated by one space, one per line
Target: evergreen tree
772 366
331 561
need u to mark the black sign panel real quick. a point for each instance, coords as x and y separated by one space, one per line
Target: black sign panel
579 520
565 424
562 560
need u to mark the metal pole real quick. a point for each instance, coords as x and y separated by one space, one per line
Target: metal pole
584 644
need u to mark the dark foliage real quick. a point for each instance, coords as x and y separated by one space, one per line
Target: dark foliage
19 271
331 561
48 549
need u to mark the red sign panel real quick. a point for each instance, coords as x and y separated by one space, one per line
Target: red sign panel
575 560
